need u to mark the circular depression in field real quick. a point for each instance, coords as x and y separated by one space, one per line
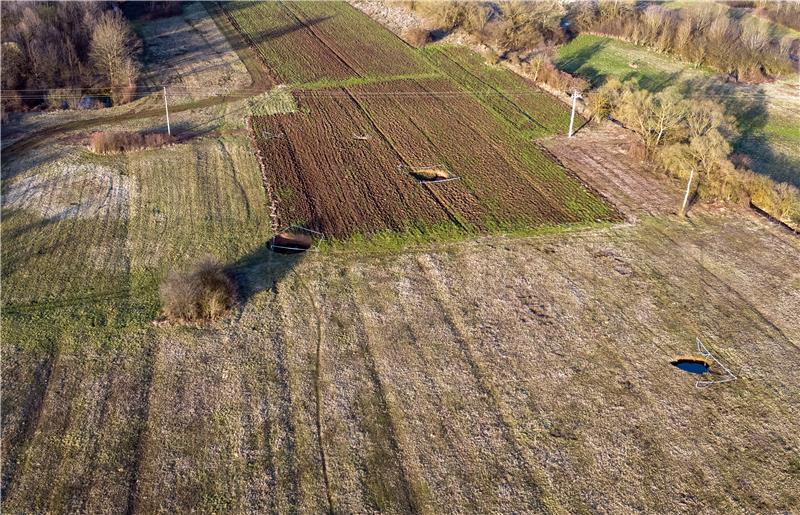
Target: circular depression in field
691 364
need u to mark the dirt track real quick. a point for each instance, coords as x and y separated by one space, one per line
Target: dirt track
607 157
261 82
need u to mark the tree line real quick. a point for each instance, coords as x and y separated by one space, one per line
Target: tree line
53 51
690 138
703 33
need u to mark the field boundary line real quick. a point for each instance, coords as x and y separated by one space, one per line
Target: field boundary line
500 93
591 189
319 38
445 207
272 201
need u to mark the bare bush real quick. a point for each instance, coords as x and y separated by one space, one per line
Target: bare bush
417 37
63 98
785 12
204 293
108 142
540 68
690 137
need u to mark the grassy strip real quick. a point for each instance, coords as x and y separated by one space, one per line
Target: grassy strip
500 90
359 81
416 239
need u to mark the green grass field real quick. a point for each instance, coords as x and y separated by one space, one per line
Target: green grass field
768 115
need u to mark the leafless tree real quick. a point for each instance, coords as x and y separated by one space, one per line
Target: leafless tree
113 48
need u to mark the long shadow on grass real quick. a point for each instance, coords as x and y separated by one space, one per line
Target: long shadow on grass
751 110
260 270
575 64
267 35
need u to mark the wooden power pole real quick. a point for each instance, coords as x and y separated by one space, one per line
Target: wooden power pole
166 108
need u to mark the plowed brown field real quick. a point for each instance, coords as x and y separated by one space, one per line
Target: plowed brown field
323 174
374 111
505 180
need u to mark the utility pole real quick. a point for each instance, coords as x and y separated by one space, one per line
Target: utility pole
572 116
166 108
686 196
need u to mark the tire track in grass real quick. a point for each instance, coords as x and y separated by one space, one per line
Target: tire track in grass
410 450
317 391
537 479
407 498
247 445
721 284
33 405
97 424
141 430
457 444
283 412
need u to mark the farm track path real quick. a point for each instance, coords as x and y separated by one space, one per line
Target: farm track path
317 390
261 82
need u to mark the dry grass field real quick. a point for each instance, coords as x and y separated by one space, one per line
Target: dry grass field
434 378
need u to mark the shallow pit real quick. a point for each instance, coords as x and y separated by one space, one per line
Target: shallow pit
431 174
290 242
692 364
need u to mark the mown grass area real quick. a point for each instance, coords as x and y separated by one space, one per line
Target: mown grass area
445 377
767 115
84 251
87 222
597 57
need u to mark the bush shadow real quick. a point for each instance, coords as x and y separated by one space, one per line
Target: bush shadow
260 270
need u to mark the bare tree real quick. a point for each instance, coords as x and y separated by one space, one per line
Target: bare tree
655 117
113 48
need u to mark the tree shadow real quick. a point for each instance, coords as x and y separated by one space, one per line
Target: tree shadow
654 82
575 64
749 106
267 35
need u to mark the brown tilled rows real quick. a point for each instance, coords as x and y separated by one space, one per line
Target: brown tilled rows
342 167
326 177
432 122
